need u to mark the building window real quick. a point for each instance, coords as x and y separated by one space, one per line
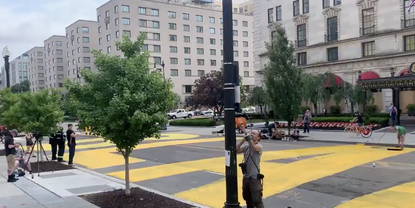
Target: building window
87 60
125 8
337 2
270 15
173 37
200 51
213 62
199 29
109 49
278 13
199 18
142 10
154 12
188 89
86 49
246 54
235 33
108 38
246 73
409 43
245 23
245 33
368 48
157 60
409 17
200 73
187 72
174 72
332 34
201 62
235 43
186 16
172 14
326 3
301 35
84 30
85 39
306 6
172 26
199 40
333 54
157 48
186 39
235 22
368 21
187 50
302 59
127 33
156 24
212 41
186 28
142 23
187 61
173 49
125 21
211 30
213 52
58 43
211 20
296 8
246 63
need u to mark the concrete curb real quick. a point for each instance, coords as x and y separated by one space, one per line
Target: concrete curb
350 142
133 185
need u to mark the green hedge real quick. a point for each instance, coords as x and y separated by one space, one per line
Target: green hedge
372 120
193 122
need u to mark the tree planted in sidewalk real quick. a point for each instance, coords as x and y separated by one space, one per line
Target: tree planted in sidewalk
23 86
125 102
7 100
258 97
38 112
282 77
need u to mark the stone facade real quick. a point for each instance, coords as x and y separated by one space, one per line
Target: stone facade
388 34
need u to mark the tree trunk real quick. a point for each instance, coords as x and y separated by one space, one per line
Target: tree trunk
315 109
289 128
127 175
260 107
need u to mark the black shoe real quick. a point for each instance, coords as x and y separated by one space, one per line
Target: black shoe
14 177
54 158
10 179
61 161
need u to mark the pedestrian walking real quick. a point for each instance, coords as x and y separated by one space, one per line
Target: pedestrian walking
393 113
306 121
252 183
70 134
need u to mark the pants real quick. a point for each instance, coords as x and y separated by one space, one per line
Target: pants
393 119
71 153
307 127
61 149
11 162
54 146
252 192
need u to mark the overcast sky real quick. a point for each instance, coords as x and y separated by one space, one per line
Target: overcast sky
27 23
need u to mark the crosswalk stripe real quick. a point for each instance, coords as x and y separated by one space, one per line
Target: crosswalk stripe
401 196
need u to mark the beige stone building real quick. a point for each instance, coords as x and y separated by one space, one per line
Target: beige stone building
343 37
54 61
185 35
81 39
36 68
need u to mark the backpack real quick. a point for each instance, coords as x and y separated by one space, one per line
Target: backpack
393 110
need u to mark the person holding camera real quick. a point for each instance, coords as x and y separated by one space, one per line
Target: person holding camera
252 180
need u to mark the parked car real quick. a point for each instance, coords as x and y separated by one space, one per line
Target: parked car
180 113
210 111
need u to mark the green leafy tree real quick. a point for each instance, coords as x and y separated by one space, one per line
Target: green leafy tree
282 77
7 100
23 86
125 101
177 101
258 97
37 112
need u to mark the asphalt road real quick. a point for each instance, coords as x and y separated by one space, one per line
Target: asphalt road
297 174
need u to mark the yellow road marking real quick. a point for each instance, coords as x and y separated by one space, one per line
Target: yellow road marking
282 177
401 196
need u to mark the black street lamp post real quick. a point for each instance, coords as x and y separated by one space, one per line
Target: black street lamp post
229 104
162 66
6 55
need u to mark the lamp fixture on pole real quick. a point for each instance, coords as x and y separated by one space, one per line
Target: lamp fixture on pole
392 70
6 55
359 73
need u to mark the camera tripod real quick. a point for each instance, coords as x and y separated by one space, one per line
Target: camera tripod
39 146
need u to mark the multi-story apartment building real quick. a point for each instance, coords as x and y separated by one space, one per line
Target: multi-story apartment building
36 68
55 60
246 7
2 78
19 69
81 39
184 35
342 37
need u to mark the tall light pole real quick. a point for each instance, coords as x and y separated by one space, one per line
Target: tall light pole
229 102
6 55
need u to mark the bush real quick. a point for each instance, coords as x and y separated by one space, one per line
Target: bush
335 109
193 122
304 108
410 107
373 120
371 109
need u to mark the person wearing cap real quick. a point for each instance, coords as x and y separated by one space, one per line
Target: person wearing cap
10 150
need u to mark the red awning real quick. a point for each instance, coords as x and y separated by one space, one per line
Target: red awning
338 79
369 75
404 72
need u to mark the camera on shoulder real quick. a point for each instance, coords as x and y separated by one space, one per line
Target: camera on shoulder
260 176
243 168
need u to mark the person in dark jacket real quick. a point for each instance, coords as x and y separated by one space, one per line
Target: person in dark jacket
57 142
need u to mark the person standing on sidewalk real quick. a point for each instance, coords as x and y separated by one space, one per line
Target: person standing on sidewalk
70 134
10 150
393 112
306 121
